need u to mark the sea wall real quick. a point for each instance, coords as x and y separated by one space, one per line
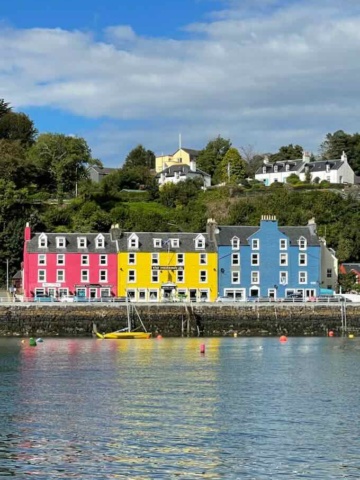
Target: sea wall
175 320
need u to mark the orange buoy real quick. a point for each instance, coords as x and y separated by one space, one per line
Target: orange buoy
159 337
331 333
283 338
202 348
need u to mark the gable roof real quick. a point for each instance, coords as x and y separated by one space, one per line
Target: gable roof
146 242
32 246
226 233
103 170
183 169
350 268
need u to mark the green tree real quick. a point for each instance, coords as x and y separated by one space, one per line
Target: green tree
61 161
288 152
231 169
140 157
210 157
17 126
338 142
4 107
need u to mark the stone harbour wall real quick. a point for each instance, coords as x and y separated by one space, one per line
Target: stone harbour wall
176 320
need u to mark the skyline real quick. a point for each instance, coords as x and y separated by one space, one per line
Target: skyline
263 72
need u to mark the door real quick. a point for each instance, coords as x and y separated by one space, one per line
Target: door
92 293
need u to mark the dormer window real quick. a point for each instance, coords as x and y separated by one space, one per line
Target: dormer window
264 169
60 242
200 241
327 167
175 243
43 241
302 243
100 241
275 168
81 242
133 241
287 168
157 243
235 243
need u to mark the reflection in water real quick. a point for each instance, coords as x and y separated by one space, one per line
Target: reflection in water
247 408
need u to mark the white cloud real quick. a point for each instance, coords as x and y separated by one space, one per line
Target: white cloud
258 71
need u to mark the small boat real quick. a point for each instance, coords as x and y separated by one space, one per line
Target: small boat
129 332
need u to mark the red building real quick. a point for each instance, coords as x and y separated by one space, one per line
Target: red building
59 264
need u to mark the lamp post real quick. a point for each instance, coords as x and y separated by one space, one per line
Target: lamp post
7 274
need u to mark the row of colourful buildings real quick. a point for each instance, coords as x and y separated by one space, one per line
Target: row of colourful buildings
235 262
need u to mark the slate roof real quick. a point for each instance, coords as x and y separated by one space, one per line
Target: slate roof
293 166
181 168
32 246
103 170
146 242
350 267
320 166
226 233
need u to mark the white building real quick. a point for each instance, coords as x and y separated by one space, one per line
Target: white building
333 171
181 172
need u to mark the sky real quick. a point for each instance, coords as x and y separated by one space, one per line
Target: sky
263 73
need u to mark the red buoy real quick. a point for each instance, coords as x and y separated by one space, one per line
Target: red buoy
283 338
159 337
202 348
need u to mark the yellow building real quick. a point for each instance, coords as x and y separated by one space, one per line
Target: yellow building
182 156
158 267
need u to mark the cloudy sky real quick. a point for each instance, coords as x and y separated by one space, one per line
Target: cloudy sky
260 72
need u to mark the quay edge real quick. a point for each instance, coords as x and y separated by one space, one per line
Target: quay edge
176 320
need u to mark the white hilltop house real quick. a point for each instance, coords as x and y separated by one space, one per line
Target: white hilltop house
181 172
333 171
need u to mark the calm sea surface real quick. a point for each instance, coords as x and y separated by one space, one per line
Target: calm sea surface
158 409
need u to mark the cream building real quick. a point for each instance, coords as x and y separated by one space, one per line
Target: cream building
181 156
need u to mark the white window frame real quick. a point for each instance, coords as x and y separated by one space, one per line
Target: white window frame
235 243
180 276
153 295
283 259
283 244
60 242
85 261
303 278
283 278
84 275
180 259
255 277
41 275
302 243
329 272
131 258
255 244
131 276
60 275
103 259
43 241
157 243
175 243
235 277
100 241
155 259
203 276
81 242
60 259
133 241
235 259
103 276
203 259
42 259
303 259
154 276
200 242
255 259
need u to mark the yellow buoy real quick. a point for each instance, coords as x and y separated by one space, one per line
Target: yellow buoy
351 335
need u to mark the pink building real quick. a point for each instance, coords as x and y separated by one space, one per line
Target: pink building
58 264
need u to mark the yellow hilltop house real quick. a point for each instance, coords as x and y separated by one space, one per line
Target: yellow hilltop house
160 267
183 156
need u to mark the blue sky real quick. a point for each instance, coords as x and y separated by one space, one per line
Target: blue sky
263 73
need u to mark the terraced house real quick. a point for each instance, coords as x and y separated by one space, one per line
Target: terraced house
159 267
273 261
61 264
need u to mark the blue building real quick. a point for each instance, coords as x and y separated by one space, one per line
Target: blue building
269 261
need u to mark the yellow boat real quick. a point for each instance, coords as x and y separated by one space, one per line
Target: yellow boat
126 333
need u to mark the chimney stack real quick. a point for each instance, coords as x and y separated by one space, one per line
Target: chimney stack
306 157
